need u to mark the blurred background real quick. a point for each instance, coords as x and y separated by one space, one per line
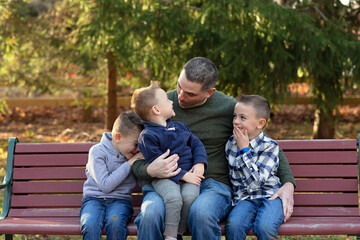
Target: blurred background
69 67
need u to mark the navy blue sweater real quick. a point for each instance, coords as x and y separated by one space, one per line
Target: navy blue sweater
155 139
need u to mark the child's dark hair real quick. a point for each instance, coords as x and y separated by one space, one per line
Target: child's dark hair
127 122
260 104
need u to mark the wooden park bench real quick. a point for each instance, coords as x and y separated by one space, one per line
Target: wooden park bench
43 188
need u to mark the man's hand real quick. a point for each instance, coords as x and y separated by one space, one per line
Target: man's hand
198 169
286 194
164 166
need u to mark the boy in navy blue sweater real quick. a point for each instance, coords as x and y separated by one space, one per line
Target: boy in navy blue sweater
152 105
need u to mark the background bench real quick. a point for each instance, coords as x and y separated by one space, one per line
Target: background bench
43 188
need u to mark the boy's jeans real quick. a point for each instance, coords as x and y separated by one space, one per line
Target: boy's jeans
261 215
212 205
112 213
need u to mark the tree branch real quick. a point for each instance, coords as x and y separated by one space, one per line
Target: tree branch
321 14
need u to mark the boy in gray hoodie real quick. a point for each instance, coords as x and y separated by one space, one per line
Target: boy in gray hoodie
110 182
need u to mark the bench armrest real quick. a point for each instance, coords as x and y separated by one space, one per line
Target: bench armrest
7 183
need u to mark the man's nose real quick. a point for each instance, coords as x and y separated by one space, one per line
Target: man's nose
180 94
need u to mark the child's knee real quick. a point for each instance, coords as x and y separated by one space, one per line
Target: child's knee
189 198
175 199
265 230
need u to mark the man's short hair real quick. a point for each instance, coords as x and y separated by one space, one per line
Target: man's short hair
126 123
259 103
201 70
143 99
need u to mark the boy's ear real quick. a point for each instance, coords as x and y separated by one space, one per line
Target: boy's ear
261 123
117 136
155 110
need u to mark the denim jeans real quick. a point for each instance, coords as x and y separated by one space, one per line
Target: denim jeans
212 205
261 215
112 213
150 221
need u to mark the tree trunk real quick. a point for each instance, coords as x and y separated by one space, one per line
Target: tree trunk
111 100
324 125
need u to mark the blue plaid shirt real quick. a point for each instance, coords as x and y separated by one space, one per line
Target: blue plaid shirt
253 173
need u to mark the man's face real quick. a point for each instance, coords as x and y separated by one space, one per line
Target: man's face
190 94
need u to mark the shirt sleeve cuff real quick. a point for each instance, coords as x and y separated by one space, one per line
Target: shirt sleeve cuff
244 150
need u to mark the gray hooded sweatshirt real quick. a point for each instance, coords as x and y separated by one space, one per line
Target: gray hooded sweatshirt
108 172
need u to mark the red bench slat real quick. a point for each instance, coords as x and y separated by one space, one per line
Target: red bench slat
59 201
48 187
316 144
53 147
44 212
327 199
299 157
50 212
322 171
325 212
327 185
61 159
320 226
49 173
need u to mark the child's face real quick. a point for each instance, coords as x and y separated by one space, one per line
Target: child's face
245 118
164 105
127 145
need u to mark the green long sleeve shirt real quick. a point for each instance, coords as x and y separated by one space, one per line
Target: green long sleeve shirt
212 124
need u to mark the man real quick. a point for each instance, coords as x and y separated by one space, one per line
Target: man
208 113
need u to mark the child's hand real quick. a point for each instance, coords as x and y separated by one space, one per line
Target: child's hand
198 169
241 138
136 157
193 178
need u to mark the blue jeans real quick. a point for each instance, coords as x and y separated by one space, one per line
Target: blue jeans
114 214
212 205
261 215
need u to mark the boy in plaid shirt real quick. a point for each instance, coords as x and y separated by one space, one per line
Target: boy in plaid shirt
253 161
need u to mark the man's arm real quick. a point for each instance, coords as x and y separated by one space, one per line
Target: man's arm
161 167
284 172
286 192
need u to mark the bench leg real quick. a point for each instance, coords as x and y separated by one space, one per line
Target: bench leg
8 237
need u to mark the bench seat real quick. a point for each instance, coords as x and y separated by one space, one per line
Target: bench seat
43 188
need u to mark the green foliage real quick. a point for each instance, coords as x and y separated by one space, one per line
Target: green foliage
37 48
3 106
252 43
259 46
331 53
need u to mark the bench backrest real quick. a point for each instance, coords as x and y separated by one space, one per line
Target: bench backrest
326 173
48 178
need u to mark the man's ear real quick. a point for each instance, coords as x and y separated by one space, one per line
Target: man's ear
210 92
117 136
